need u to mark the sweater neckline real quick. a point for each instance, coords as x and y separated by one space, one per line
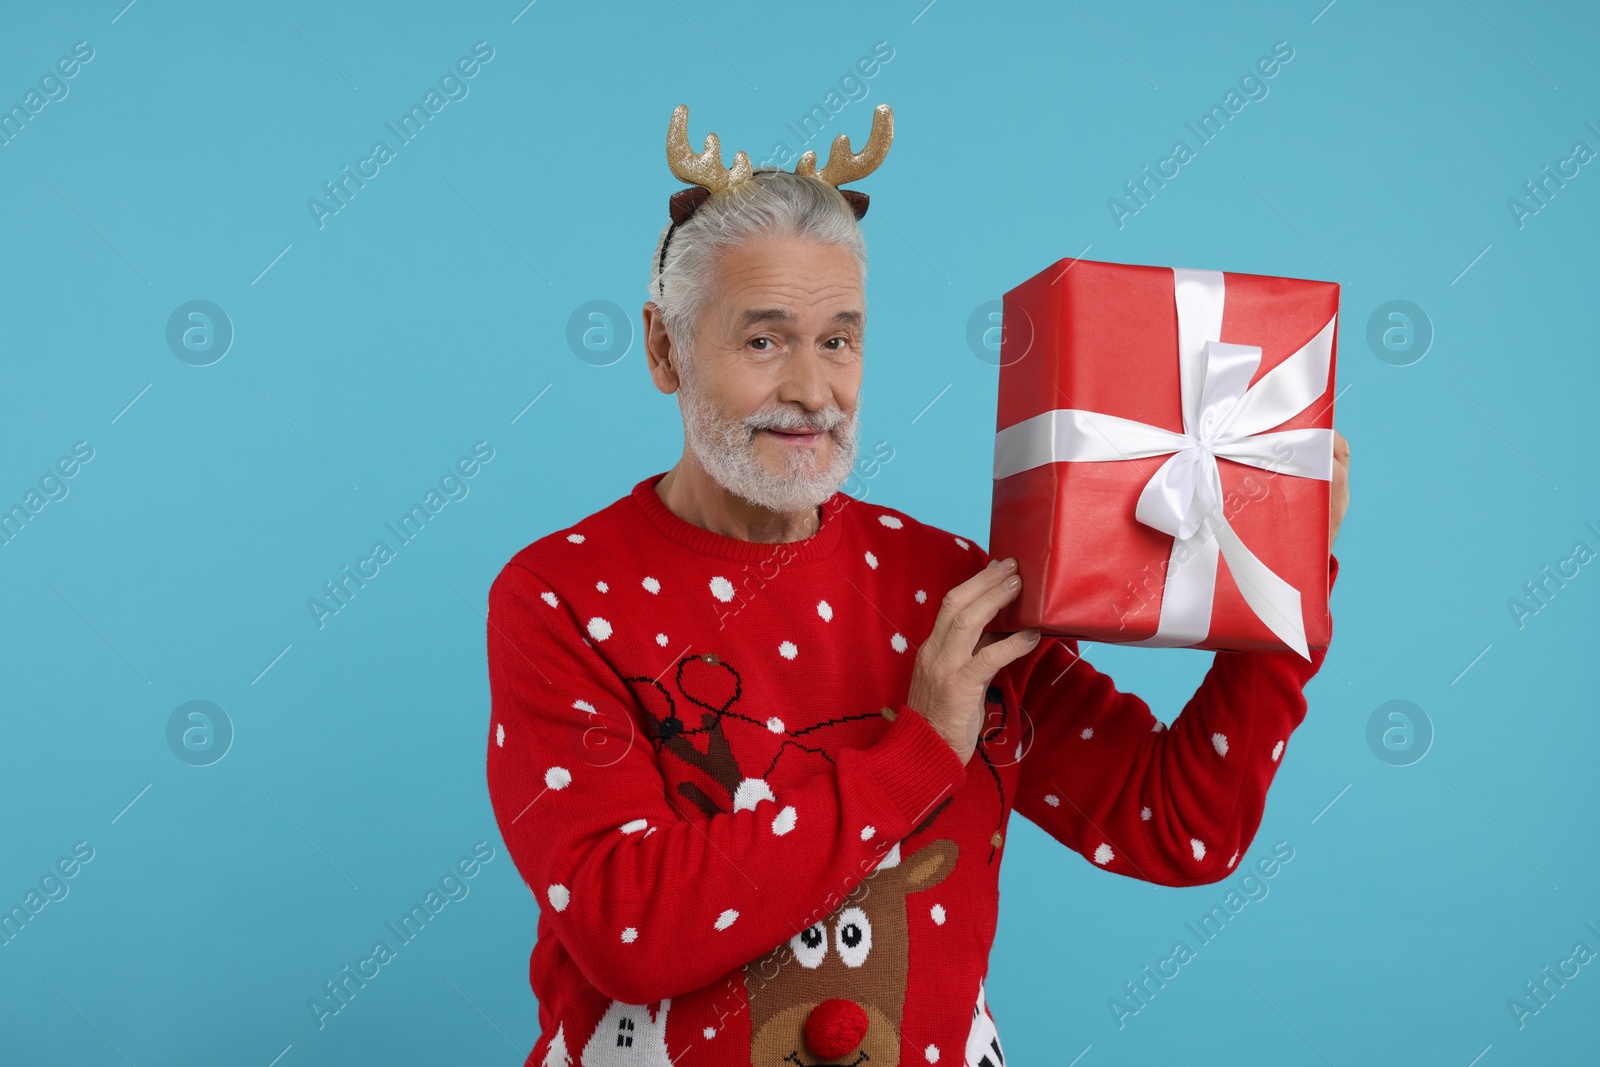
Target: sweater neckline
710 543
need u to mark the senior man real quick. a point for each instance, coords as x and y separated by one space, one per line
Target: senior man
750 746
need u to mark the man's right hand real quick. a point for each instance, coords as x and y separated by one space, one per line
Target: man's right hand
958 660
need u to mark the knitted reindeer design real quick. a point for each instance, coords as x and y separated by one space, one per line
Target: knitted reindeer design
828 992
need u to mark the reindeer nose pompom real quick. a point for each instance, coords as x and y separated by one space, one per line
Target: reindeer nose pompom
835 1028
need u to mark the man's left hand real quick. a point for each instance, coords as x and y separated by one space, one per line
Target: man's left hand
1341 486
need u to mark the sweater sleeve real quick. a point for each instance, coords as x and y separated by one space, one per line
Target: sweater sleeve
1174 806
650 896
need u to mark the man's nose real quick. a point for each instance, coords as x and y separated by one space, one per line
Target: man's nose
806 383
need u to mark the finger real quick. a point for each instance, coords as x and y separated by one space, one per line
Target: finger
966 625
963 595
991 658
988 638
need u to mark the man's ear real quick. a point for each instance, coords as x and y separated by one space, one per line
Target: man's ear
660 353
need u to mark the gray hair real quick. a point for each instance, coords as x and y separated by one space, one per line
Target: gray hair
772 203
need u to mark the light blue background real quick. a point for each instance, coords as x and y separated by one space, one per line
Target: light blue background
433 309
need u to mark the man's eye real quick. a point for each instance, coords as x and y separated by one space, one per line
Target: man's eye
760 341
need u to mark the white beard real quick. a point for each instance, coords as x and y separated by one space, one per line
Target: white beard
725 448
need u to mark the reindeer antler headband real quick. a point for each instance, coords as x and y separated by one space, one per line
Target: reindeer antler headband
706 175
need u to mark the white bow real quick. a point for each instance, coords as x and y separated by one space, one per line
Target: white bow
1222 416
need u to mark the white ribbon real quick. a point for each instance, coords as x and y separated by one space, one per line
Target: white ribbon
1221 417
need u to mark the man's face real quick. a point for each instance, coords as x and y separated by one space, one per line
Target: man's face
770 393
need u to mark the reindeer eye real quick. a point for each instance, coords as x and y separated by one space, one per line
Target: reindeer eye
852 933
810 945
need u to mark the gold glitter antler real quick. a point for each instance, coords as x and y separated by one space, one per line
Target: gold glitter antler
847 166
705 169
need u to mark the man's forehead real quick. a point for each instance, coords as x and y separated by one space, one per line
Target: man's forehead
781 281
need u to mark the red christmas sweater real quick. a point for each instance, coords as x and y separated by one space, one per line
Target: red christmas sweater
747 849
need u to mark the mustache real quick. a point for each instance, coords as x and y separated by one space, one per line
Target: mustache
793 421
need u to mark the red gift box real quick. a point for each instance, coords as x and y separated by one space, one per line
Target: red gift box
1163 456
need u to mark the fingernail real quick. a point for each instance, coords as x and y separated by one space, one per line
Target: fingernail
1011 564
1013 581
1033 634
